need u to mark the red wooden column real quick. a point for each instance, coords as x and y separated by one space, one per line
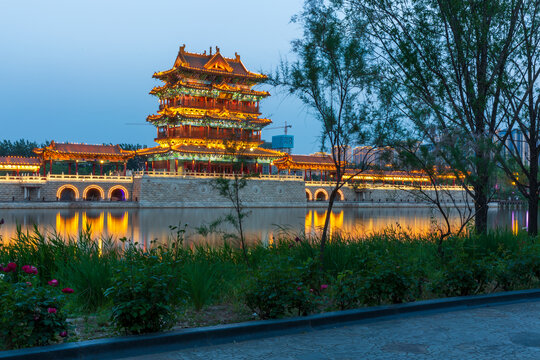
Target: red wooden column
168 165
76 167
125 167
94 168
50 166
176 165
146 166
100 168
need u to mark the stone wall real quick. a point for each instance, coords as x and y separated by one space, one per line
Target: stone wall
177 191
192 192
379 195
50 190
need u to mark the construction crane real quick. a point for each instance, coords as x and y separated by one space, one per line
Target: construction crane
280 127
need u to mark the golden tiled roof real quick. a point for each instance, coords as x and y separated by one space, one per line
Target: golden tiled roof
212 64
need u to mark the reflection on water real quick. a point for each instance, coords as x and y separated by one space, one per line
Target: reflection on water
145 225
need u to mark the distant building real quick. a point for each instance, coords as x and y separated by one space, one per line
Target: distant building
283 143
373 157
515 144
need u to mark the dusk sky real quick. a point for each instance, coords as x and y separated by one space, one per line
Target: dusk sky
80 71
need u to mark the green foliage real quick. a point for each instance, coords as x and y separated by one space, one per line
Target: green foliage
231 190
279 287
144 293
202 280
31 314
347 291
20 147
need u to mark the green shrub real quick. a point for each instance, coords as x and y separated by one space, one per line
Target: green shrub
519 270
279 287
144 293
462 277
387 283
31 314
347 290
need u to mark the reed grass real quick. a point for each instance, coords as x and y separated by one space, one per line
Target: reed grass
213 275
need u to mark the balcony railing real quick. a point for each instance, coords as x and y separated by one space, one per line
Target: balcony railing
212 134
201 105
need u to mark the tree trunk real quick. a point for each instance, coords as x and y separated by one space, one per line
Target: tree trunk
533 192
481 210
327 223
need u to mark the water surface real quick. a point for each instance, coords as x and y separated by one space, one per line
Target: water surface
145 225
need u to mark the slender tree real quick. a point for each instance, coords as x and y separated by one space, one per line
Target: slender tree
330 76
446 63
521 104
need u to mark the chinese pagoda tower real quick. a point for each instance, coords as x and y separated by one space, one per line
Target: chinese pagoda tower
208 118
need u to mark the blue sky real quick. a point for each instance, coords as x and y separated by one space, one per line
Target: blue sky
81 71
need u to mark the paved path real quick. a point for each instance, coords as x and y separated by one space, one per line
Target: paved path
500 332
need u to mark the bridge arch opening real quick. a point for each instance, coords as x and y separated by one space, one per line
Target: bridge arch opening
67 193
93 193
340 196
118 193
321 195
309 195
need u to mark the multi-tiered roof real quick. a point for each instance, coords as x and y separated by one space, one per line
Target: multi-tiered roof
208 111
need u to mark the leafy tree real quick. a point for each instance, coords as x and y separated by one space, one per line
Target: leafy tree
443 65
331 76
521 106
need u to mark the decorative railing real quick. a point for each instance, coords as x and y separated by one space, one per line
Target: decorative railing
193 174
371 186
64 177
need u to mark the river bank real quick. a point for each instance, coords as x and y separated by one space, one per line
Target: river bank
191 284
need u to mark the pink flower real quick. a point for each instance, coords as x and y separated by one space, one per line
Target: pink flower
63 333
53 282
311 290
68 291
29 269
28 283
51 310
10 267
299 288
324 287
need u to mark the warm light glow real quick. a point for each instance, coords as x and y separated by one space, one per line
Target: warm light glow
68 227
126 192
88 188
118 226
67 186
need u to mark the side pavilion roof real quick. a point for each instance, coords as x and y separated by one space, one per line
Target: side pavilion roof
84 152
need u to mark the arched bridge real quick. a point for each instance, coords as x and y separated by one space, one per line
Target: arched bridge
67 188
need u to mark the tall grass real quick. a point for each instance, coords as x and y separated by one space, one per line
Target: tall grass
211 275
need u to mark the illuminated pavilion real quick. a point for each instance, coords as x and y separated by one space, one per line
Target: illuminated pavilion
73 154
208 118
321 164
17 164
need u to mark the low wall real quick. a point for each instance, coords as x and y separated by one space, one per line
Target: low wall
381 195
47 190
189 191
194 192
